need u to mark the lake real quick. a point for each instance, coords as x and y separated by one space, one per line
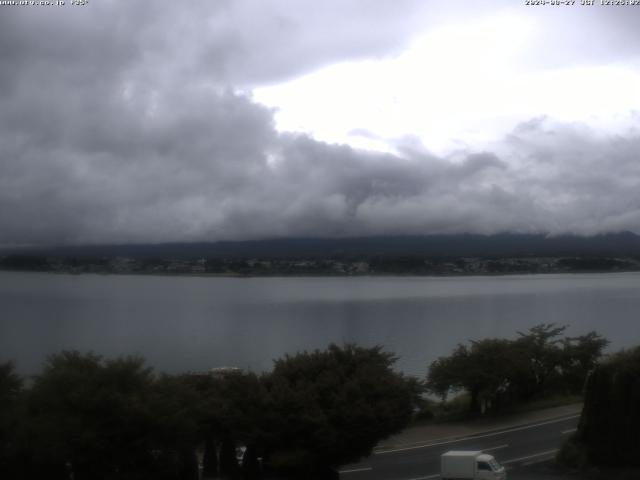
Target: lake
195 323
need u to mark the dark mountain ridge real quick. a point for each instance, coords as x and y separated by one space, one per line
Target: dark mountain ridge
464 245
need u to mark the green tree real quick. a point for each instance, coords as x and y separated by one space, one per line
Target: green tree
541 347
108 419
486 370
91 417
11 391
328 408
446 374
609 427
490 374
176 428
580 356
208 411
500 372
230 409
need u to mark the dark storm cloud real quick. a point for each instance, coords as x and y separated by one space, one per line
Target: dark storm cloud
119 123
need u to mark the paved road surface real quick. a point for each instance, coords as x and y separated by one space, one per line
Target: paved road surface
513 447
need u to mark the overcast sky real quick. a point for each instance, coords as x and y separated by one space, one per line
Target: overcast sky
164 121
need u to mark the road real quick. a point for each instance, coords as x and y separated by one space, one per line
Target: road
512 447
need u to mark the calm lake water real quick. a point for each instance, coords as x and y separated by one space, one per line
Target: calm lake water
191 323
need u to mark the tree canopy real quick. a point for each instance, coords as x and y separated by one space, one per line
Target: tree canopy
609 428
93 418
103 419
332 407
10 392
500 372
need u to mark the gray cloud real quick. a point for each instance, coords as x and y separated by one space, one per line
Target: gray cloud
121 124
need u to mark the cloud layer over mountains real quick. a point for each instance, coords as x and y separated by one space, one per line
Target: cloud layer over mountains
131 123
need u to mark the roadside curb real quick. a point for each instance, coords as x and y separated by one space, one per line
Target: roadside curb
471 435
530 459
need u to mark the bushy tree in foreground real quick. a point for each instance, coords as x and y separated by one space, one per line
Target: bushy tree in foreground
540 353
328 408
10 419
231 410
609 428
580 357
97 419
89 418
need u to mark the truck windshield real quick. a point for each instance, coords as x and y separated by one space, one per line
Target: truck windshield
495 466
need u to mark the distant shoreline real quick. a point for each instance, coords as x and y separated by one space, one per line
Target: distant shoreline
239 275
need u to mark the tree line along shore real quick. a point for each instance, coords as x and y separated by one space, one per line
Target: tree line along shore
329 266
87 417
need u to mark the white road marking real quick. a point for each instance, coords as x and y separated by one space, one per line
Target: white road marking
474 437
519 459
354 470
571 430
494 448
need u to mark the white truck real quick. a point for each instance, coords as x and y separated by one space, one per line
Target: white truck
470 465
